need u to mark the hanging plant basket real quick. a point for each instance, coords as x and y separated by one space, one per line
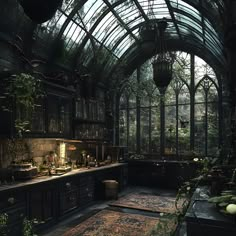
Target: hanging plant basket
40 11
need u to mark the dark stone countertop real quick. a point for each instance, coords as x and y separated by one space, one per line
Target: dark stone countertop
203 212
46 178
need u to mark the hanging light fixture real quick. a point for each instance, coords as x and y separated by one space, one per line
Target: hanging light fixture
147 31
163 60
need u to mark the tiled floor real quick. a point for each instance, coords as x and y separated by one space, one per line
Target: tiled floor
63 226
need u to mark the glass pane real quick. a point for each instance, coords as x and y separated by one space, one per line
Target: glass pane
144 99
155 130
182 5
199 129
170 97
170 130
123 127
184 95
184 129
144 129
123 101
213 121
132 101
132 130
213 128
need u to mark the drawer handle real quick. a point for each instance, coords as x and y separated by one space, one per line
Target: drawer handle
11 200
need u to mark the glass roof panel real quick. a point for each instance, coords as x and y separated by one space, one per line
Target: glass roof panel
184 29
125 44
111 21
53 26
135 21
160 10
114 37
105 23
183 6
124 9
104 27
92 10
211 30
187 20
127 14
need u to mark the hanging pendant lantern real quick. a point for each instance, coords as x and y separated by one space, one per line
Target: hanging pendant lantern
163 61
40 11
162 72
148 37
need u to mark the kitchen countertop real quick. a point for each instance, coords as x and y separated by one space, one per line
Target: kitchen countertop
46 178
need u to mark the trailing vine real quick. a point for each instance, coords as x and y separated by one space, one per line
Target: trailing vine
20 95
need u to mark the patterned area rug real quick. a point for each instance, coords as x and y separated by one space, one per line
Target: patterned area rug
114 223
148 202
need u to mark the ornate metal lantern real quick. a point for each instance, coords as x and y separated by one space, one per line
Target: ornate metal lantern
163 61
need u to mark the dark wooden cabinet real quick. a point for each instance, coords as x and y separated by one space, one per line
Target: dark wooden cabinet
89 120
14 204
51 117
38 122
47 200
69 195
86 190
161 173
41 205
59 115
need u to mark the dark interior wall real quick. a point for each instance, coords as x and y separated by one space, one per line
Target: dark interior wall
25 149
16 31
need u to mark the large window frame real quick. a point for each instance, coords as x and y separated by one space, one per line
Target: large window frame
182 123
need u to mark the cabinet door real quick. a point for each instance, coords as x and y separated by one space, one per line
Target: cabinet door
86 190
65 116
14 205
69 196
53 114
59 115
38 117
42 205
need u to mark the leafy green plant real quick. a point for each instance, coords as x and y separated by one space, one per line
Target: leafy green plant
21 94
28 227
166 226
3 224
222 201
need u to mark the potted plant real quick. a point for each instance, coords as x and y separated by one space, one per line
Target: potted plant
40 11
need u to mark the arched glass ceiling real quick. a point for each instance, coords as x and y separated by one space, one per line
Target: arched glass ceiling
115 24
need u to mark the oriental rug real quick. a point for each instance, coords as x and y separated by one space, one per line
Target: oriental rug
149 202
114 223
